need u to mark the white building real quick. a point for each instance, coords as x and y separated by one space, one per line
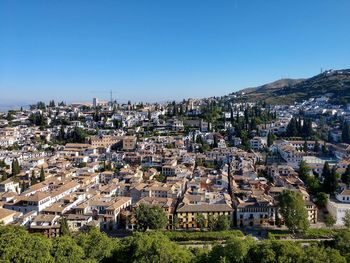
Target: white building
257 143
339 206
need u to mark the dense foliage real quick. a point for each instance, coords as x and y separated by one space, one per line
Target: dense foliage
150 217
293 210
17 245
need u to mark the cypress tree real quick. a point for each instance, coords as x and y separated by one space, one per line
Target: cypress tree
16 169
270 138
304 171
42 175
305 148
346 176
330 181
292 128
64 229
324 148
345 133
317 146
232 118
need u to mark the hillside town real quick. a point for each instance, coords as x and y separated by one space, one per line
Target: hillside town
210 163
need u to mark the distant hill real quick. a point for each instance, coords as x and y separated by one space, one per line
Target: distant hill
333 83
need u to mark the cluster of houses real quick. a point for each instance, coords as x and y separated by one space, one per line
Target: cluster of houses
101 181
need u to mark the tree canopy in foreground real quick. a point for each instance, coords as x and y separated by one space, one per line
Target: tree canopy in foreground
17 245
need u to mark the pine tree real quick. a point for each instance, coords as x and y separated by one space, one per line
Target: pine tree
42 175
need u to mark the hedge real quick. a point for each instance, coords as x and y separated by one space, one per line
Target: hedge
202 236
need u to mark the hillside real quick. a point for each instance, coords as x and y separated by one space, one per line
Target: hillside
278 84
333 83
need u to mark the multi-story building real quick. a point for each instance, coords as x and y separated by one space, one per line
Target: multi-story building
129 143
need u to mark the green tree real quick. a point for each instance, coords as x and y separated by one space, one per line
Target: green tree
270 139
175 222
346 176
61 134
329 221
313 184
78 135
10 116
150 217
42 175
317 147
235 250
211 222
65 250
305 148
222 223
287 252
342 243
317 254
293 211
17 245
325 148
64 229
292 128
321 199
346 219
16 169
346 133
200 221
330 180
33 179
149 248
96 245
261 253
304 170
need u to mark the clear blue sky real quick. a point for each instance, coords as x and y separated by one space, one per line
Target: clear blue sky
164 49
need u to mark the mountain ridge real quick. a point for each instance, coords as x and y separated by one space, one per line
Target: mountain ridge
334 84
